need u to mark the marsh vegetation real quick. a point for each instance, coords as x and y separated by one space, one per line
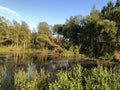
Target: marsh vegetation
74 78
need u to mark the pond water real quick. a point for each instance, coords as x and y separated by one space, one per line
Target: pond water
36 61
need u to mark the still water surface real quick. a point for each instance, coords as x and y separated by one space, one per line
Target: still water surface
36 61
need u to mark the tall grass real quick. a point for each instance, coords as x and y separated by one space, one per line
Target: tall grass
75 78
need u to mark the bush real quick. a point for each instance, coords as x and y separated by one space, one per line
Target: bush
69 80
75 78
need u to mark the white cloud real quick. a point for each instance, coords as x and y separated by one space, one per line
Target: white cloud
5 9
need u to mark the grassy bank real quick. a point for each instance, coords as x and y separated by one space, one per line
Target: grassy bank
11 49
75 78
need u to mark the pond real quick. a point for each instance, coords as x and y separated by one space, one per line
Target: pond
34 60
18 71
51 63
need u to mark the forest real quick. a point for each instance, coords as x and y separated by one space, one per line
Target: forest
93 35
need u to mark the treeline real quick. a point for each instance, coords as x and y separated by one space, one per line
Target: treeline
95 34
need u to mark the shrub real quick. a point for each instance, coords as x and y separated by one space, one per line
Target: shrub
69 80
75 78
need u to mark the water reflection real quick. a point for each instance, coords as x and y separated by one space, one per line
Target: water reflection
32 62
63 64
4 57
35 61
31 69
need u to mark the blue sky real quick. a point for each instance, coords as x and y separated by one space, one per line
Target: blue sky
51 11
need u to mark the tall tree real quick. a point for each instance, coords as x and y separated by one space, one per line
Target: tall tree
116 18
33 39
4 30
43 28
57 29
44 35
16 29
107 11
72 29
91 30
24 34
107 36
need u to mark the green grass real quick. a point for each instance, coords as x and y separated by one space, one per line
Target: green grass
12 49
3 49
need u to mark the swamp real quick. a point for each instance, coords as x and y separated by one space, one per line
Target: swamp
81 54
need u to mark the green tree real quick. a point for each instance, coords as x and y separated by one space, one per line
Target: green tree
72 29
4 31
43 28
15 36
44 36
107 36
108 27
91 31
57 29
33 39
112 12
107 11
24 34
116 18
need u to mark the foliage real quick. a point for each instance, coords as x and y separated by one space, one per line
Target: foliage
74 78
101 79
70 80
96 34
